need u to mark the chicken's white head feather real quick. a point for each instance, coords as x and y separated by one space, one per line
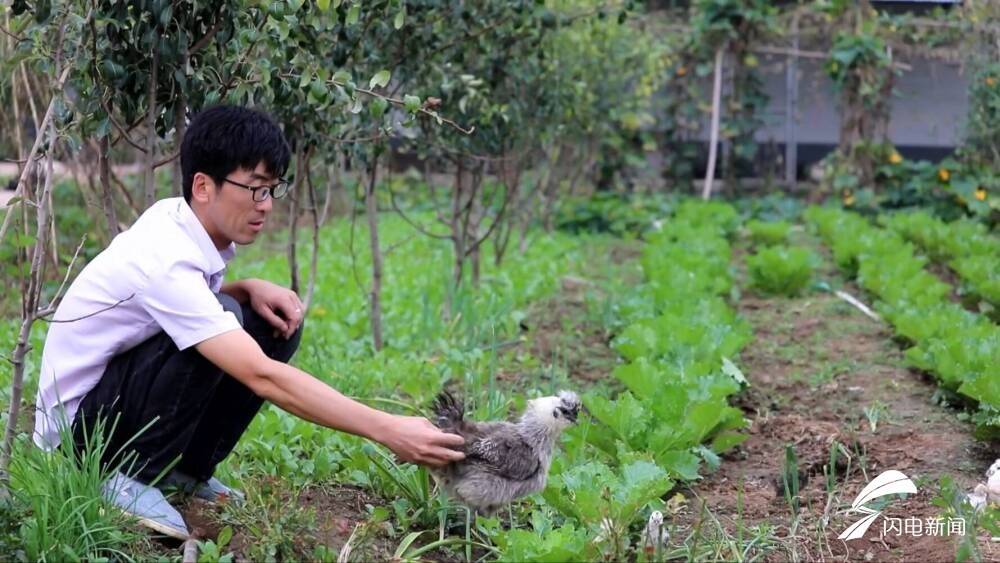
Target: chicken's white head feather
555 413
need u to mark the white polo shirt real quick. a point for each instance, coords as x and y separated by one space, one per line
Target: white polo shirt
160 275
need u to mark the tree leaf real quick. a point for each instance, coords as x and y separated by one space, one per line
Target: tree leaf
412 103
380 79
353 13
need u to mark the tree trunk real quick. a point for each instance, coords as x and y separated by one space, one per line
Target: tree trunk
510 173
293 220
107 197
457 232
551 186
180 127
713 145
29 300
150 184
371 210
316 224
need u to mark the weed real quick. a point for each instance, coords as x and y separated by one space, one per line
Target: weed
65 514
876 413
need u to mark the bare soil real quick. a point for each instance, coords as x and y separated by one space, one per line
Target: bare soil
334 511
823 374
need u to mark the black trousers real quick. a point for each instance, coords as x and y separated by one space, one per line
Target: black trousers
200 412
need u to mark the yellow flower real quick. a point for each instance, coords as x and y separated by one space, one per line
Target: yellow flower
944 174
981 193
990 81
681 71
849 200
895 157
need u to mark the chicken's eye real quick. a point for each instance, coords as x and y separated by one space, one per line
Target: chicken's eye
555 413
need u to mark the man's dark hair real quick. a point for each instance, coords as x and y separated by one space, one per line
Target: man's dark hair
223 138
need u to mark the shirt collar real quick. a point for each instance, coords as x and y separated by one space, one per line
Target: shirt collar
189 221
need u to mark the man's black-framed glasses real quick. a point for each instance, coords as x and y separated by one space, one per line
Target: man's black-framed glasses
261 193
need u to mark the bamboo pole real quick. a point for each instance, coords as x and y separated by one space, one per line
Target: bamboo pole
713 147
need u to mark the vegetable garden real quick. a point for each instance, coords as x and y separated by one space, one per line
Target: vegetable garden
508 199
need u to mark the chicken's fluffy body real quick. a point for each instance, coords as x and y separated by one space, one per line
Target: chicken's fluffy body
504 461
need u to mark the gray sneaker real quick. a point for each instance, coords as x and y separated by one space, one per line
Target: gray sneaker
212 490
145 503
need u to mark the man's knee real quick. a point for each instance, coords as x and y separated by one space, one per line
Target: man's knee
229 303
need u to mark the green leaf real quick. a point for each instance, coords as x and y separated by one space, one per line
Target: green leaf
683 464
643 481
412 104
224 536
377 107
353 13
323 4
730 369
380 79
399 19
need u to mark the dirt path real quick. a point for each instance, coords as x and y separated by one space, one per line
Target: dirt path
825 378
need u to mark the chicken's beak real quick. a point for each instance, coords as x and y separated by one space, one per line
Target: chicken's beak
571 414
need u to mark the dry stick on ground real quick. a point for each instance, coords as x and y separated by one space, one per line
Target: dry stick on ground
858 304
376 294
713 146
189 551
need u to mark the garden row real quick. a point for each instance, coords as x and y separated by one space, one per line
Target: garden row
965 246
673 414
958 347
677 349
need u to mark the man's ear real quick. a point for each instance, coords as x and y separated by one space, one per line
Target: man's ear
202 188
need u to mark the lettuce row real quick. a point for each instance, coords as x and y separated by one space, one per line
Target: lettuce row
676 402
960 348
966 246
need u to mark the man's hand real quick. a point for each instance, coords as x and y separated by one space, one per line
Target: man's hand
278 305
414 439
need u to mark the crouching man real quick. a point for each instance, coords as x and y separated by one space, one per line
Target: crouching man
148 337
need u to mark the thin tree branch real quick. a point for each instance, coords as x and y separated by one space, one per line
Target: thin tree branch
123 134
69 270
420 229
88 315
201 43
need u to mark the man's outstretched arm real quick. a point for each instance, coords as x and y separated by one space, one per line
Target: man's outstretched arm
414 439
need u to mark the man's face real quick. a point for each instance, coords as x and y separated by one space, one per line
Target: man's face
229 211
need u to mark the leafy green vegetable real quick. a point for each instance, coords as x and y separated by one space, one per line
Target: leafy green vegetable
781 270
768 233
